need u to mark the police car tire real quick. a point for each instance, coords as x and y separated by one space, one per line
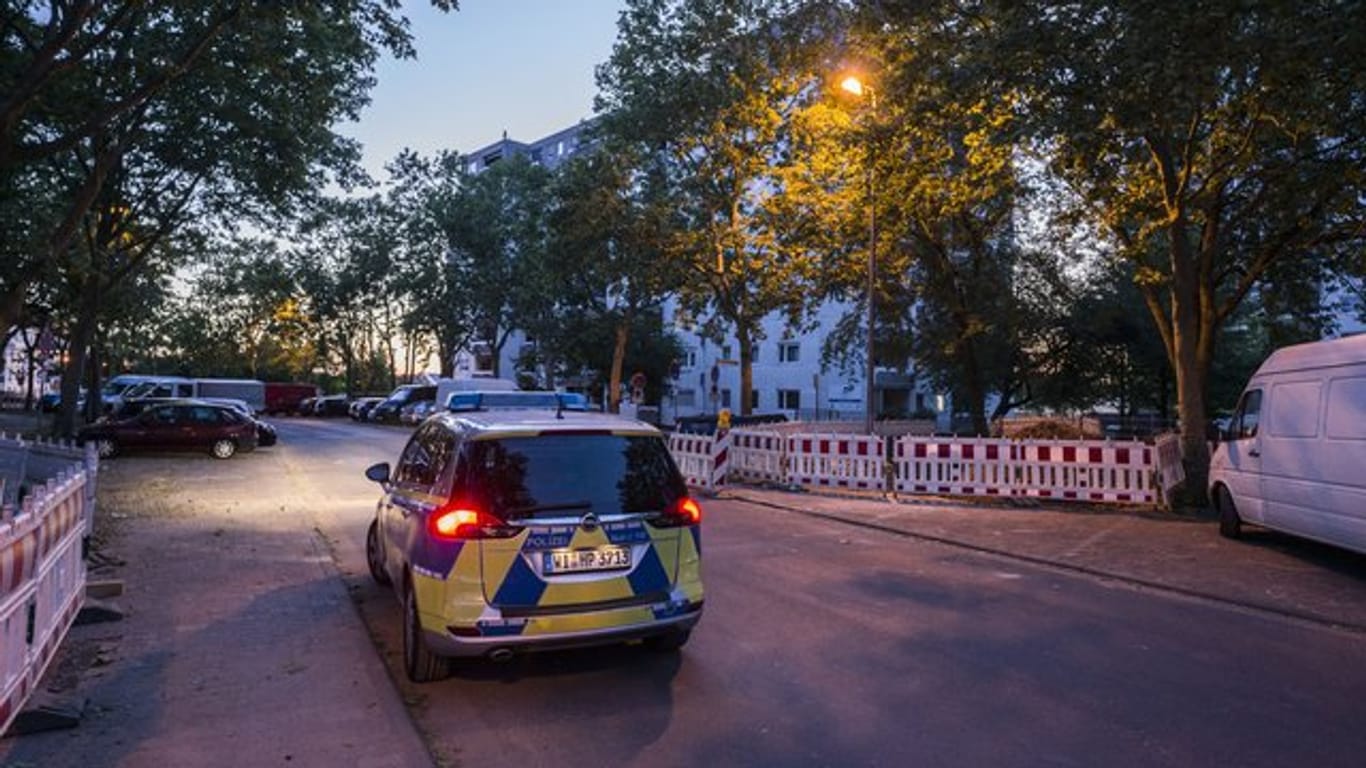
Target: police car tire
669 642
374 556
422 665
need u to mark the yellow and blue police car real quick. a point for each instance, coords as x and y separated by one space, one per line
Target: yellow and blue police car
528 530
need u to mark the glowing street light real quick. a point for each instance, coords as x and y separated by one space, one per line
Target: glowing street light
852 84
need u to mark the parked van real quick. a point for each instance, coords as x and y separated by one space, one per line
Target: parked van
128 386
1294 455
250 390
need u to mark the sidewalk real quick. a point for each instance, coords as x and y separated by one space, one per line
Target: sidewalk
1264 571
241 646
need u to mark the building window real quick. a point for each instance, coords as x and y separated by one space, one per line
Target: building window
725 352
492 158
686 398
789 352
689 358
725 398
559 148
754 399
789 399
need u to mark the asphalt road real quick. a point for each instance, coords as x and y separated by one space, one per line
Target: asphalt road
823 643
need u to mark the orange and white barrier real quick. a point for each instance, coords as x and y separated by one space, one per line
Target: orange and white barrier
42 565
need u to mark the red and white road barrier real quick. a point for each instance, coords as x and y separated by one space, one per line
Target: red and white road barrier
1073 470
758 456
42 566
1065 470
838 461
1170 471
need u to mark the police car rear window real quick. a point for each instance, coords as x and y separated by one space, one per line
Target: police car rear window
568 475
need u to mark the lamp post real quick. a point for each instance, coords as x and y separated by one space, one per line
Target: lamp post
858 88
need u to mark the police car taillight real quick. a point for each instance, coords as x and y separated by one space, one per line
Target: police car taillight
685 511
458 523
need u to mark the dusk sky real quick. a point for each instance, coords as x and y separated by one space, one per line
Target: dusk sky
524 66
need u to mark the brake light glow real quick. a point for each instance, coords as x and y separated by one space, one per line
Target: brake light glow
685 511
455 523
689 510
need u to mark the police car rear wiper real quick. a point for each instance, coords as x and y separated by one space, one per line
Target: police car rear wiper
561 507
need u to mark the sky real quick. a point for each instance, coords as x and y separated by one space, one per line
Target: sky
524 66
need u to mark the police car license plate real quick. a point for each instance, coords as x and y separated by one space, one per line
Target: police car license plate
579 560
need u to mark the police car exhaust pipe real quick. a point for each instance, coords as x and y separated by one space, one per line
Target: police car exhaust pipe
500 655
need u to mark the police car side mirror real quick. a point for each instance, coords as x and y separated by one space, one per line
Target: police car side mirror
379 473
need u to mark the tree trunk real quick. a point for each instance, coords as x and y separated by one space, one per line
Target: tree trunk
744 337
1192 330
78 349
623 334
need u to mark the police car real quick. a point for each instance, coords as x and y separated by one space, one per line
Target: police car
529 530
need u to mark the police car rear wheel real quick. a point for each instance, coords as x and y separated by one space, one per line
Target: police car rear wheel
374 556
422 665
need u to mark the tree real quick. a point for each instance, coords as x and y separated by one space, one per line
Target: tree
713 88
496 236
1206 143
606 259
227 107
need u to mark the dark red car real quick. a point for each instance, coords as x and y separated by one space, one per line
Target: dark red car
176 426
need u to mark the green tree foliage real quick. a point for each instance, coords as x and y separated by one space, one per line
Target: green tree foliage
495 230
223 109
608 264
1216 146
714 88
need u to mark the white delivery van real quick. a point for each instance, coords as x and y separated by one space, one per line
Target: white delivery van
1294 455
131 386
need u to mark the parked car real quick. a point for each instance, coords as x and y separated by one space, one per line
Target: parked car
266 435
306 406
176 426
414 413
1293 454
511 531
331 405
360 407
388 411
49 402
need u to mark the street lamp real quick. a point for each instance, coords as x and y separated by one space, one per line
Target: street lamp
857 87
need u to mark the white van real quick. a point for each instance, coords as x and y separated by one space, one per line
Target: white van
129 386
1294 455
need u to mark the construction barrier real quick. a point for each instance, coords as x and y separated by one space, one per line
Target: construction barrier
1069 470
758 456
1171 473
42 565
839 461
1065 470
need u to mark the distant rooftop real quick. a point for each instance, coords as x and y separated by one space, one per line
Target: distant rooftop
549 151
